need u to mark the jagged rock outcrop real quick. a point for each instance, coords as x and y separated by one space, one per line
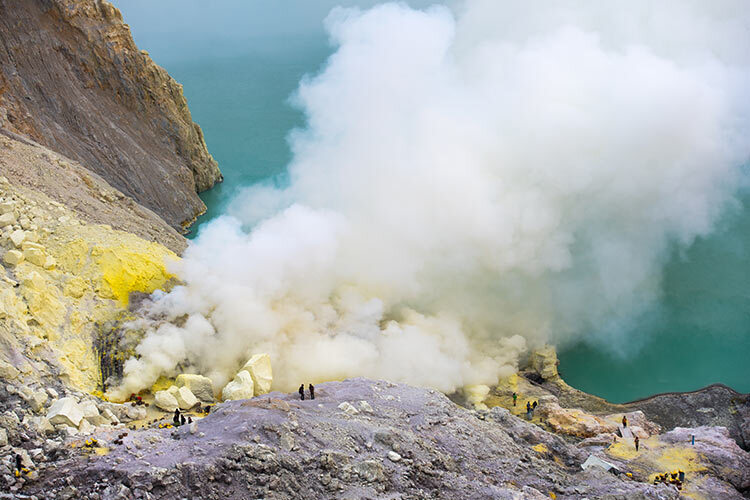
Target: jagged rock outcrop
72 79
404 442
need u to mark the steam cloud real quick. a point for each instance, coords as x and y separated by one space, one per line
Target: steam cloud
471 182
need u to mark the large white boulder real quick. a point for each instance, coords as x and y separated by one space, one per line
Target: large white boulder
165 401
201 387
65 411
259 368
185 398
241 387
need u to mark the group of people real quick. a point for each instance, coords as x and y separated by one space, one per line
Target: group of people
530 406
179 419
676 477
302 391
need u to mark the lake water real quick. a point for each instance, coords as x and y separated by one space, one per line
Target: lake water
240 63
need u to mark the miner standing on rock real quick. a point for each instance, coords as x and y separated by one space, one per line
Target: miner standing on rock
312 391
637 442
515 397
624 421
302 392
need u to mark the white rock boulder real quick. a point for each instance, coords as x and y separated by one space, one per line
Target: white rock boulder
185 398
7 219
165 401
241 387
13 257
201 387
65 411
259 368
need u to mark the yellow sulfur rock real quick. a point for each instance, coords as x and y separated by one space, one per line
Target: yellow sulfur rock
259 368
35 255
13 257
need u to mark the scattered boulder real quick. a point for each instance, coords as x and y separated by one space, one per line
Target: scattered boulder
201 387
166 401
8 371
348 408
242 387
35 255
110 416
259 368
86 427
40 424
65 411
13 257
17 237
91 413
36 400
7 219
135 413
185 398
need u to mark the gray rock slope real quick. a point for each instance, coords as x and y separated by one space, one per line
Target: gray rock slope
359 439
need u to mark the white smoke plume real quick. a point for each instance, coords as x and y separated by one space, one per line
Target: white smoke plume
470 182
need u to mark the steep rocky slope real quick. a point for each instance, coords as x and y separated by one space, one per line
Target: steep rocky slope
29 165
72 79
65 282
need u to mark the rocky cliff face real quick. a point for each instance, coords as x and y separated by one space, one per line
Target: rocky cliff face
72 79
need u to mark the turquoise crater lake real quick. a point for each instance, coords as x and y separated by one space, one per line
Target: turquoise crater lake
240 63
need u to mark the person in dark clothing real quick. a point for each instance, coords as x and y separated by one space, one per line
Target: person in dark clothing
302 392
637 442
182 419
528 406
533 407
312 391
19 462
176 417
624 421
515 398
190 419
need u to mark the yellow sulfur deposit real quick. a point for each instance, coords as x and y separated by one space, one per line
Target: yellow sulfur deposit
540 448
125 269
73 287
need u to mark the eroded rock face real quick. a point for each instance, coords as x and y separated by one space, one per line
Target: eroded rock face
72 79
